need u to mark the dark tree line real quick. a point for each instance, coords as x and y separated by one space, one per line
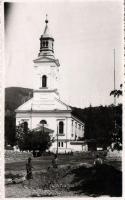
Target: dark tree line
10 130
14 97
100 123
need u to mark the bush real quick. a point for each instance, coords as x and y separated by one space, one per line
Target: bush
32 140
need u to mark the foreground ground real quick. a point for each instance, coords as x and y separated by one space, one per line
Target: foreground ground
75 176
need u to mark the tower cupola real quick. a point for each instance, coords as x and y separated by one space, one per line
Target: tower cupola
46 42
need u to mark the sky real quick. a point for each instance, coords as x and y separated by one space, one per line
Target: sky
85 33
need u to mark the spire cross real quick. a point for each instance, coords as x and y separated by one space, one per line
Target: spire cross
46 19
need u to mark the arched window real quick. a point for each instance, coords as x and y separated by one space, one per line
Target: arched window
44 81
61 127
43 43
46 43
43 122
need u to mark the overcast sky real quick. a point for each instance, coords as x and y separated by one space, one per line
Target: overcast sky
85 33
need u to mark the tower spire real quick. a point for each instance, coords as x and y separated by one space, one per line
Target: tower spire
46 41
46 21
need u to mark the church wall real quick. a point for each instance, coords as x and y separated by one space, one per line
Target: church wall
69 130
43 98
39 70
52 119
50 122
77 148
48 69
67 147
76 128
53 123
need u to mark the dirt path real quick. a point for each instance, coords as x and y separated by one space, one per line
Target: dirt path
78 180
16 191
19 191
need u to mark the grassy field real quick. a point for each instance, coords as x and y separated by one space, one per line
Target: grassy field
16 161
75 176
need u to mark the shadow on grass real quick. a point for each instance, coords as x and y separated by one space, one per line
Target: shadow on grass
105 180
12 176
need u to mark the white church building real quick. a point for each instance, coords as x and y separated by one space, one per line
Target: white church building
46 107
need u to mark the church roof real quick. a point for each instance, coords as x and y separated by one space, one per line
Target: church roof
46 33
47 59
55 105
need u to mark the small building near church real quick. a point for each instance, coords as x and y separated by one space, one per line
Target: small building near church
46 105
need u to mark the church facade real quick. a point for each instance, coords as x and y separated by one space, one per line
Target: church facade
46 108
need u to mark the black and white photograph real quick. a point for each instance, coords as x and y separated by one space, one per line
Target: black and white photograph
63 88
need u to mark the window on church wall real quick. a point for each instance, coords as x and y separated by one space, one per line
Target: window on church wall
61 144
43 122
61 127
43 43
58 144
44 81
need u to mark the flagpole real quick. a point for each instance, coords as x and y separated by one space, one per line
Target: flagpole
57 139
114 80
114 97
31 116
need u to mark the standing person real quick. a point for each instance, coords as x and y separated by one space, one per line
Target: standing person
54 161
29 167
98 161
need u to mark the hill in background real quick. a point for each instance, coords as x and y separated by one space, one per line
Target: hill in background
14 97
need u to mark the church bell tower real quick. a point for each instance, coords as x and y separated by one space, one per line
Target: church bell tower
46 67
46 42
